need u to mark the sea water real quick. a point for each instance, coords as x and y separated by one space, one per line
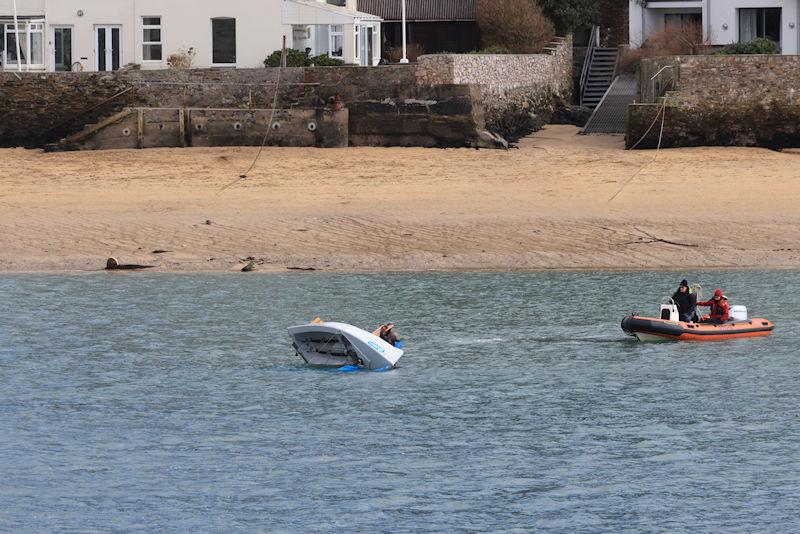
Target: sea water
169 403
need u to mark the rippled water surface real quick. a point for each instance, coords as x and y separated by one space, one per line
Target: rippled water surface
175 403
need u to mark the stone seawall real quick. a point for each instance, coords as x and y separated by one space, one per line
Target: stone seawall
520 92
386 105
445 100
748 100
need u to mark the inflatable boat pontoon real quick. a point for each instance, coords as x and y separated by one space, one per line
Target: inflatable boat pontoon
669 328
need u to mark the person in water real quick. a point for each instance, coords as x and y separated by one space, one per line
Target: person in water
386 333
686 300
719 308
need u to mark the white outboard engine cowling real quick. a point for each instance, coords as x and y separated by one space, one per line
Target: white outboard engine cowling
669 312
738 313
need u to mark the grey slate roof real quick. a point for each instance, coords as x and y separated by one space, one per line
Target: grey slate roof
420 10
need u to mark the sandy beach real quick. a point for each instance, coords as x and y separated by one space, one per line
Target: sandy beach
546 205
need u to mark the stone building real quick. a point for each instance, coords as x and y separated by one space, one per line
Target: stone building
104 35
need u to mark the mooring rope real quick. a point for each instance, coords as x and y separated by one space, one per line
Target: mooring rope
244 176
662 113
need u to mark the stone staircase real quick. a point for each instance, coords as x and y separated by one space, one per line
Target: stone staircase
602 67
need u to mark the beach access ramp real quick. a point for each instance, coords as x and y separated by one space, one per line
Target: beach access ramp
609 115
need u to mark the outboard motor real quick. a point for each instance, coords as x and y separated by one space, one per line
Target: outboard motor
669 311
738 313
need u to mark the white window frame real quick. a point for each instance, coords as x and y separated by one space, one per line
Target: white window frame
53 29
332 34
357 33
160 42
376 44
109 28
376 51
25 29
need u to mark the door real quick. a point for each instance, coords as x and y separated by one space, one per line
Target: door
62 48
365 37
108 40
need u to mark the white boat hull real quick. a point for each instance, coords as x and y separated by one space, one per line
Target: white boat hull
652 338
339 344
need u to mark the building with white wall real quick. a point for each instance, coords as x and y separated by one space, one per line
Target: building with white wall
102 35
723 21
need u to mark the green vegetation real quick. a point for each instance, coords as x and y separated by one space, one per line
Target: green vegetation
568 15
298 58
756 46
492 50
324 60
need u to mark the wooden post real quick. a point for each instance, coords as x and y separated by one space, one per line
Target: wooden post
140 128
182 126
283 53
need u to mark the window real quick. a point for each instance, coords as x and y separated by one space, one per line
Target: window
683 21
151 39
31 45
760 22
223 36
336 41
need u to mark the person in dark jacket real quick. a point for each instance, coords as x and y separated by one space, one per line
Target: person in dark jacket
686 300
719 308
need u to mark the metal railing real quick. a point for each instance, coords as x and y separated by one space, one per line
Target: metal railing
594 42
659 85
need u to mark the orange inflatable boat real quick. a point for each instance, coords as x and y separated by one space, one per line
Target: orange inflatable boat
669 328
654 329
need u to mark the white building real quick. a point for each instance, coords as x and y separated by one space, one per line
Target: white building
723 21
101 35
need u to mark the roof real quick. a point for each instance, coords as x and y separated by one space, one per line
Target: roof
420 10
312 13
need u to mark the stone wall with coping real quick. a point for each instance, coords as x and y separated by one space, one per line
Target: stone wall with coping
386 105
442 101
744 100
519 91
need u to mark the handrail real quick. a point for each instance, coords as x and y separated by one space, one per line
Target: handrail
89 110
594 37
656 75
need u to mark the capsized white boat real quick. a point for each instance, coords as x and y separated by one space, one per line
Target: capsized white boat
331 344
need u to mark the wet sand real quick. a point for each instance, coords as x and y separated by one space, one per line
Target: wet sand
544 206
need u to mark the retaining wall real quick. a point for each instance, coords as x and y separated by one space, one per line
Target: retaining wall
442 101
747 100
519 92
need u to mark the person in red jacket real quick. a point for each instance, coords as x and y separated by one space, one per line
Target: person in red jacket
719 308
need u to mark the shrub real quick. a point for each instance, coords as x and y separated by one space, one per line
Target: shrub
568 15
414 50
324 60
294 58
518 25
492 50
671 41
182 59
756 46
